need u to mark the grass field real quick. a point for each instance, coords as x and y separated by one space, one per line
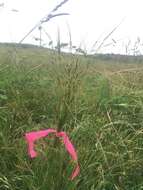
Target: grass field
97 101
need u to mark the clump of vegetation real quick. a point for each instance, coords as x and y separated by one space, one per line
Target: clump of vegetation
98 103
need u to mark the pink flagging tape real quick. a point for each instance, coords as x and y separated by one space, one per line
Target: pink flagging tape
31 137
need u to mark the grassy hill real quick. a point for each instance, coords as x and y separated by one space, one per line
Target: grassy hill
97 100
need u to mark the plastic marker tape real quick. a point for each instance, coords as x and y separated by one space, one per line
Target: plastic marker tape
31 137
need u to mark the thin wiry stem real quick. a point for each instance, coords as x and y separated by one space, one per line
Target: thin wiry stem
109 34
59 5
47 18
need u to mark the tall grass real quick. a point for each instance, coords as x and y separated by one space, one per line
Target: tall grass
99 106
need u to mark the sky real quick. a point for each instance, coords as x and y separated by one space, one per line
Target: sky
89 22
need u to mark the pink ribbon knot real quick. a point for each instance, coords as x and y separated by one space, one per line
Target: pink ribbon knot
31 137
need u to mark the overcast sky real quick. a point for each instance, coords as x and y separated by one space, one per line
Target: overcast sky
89 21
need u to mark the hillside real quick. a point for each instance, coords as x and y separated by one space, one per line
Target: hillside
13 47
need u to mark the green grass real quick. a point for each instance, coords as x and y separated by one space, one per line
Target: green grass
98 102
